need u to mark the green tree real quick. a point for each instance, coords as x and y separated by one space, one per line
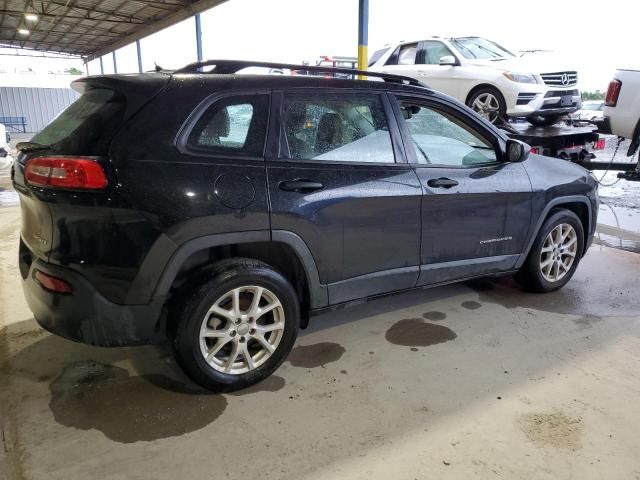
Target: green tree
73 71
597 95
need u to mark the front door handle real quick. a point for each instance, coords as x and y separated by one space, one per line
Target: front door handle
300 185
442 183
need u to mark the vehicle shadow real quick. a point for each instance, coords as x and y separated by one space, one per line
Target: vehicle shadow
140 394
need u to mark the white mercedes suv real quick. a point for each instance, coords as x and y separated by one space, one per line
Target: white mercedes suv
487 77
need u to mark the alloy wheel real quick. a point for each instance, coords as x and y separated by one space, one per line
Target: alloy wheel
487 106
558 252
242 329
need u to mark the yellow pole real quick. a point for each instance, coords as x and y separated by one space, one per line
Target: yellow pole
363 36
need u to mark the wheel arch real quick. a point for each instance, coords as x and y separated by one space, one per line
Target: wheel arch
282 250
579 205
482 86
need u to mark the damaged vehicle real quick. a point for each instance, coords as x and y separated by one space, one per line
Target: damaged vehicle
218 212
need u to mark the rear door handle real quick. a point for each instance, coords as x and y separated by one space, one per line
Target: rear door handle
442 183
300 185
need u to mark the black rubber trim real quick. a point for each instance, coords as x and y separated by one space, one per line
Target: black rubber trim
373 284
317 291
202 243
86 316
554 203
635 141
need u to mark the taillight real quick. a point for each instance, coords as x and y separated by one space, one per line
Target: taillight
613 92
53 284
599 144
65 172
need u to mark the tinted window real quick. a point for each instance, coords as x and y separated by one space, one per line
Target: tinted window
235 124
407 55
377 55
434 51
442 139
87 126
343 130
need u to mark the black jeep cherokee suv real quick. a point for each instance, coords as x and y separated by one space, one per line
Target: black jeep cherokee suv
219 210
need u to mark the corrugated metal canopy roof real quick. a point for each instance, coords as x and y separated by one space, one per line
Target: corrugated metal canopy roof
90 28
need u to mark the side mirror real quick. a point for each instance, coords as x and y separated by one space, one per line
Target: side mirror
517 151
448 60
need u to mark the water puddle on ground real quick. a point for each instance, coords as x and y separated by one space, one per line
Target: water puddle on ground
317 355
90 395
619 217
415 332
8 196
434 316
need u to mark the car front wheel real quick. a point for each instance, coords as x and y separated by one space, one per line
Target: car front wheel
488 103
237 327
555 253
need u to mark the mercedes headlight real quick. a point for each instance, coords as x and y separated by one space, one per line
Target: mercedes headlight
521 77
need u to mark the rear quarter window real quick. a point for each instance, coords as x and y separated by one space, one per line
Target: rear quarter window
232 125
87 126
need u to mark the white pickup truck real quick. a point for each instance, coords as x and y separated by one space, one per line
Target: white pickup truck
622 107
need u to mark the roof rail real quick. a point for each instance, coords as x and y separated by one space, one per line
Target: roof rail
233 66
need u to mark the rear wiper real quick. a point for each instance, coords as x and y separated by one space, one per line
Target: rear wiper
31 146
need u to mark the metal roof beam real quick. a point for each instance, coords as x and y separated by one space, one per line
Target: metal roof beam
186 12
89 10
125 19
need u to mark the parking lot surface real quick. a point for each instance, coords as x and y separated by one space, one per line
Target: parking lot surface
477 380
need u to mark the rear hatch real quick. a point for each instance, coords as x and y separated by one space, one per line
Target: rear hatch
81 133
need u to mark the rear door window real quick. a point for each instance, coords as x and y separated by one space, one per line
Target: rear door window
87 126
347 129
232 125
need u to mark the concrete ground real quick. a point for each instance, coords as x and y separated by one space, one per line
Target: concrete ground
477 380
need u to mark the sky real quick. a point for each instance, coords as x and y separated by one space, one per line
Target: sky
582 32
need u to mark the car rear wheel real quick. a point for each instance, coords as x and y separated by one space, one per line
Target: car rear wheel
544 121
488 103
555 253
237 327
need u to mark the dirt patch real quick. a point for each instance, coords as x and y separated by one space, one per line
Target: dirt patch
90 395
552 430
415 332
434 316
471 305
317 355
587 321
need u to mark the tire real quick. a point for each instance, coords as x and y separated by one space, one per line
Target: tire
544 121
532 275
496 101
200 331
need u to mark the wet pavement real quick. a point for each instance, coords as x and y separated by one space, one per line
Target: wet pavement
475 380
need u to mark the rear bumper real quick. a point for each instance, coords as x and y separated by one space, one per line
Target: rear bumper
85 315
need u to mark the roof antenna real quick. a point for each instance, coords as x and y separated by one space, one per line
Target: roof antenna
158 68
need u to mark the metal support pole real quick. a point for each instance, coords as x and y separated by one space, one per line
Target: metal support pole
139 50
101 67
115 64
363 34
86 67
198 38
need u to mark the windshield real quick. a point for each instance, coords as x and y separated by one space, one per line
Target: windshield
480 48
